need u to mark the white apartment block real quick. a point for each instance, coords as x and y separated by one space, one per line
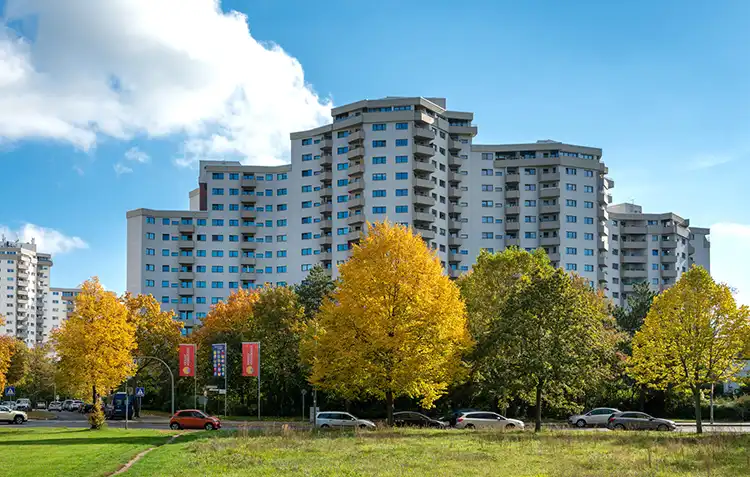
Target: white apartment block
652 248
408 160
27 302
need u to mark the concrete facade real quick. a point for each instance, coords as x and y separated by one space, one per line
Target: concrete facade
30 308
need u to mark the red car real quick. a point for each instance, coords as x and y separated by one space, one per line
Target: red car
194 419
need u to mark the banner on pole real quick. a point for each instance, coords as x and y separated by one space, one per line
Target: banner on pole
187 360
219 359
250 359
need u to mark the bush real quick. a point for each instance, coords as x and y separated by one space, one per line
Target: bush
96 416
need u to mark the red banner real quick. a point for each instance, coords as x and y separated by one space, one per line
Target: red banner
187 360
251 359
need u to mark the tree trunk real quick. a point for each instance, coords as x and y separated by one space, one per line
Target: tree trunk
389 406
538 419
93 394
697 401
642 398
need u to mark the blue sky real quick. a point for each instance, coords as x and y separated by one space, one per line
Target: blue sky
662 87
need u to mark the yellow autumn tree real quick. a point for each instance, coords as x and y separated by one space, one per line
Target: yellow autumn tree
395 326
694 335
7 348
95 345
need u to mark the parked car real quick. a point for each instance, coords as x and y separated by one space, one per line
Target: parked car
634 421
595 417
479 420
327 420
41 405
416 419
194 419
12 416
116 408
452 417
66 404
75 405
23 404
55 406
87 408
9 404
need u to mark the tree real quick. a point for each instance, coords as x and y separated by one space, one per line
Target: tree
395 326
19 364
630 319
40 380
311 291
543 335
694 335
95 345
7 348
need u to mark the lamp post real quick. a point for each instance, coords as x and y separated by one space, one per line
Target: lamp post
171 374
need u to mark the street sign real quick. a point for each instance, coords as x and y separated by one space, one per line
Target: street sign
304 391
211 387
222 391
140 392
10 390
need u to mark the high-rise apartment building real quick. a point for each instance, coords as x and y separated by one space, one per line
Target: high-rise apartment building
26 300
652 248
408 160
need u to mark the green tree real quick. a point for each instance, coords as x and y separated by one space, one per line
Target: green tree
395 326
315 287
693 336
630 318
544 336
40 381
19 364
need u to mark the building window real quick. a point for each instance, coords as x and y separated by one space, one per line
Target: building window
380 176
571 235
402 125
378 143
487 172
379 127
571 267
217 176
402 193
342 150
588 268
529 219
588 220
378 193
588 173
488 235
402 142
487 203
307 142
571 171
400 176
588 236
571 203
571 219
588 189
342 167
530 235
378 210
402 209
588 205
570 187
402 159
529 187
217 191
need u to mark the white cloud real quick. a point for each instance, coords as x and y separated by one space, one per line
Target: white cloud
121 68
728 263
122 169
135 154
709 161
47 240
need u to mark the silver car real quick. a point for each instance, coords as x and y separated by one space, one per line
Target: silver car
635 421
482 420
327 420
595 417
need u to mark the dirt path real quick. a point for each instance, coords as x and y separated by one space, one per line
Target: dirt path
138 457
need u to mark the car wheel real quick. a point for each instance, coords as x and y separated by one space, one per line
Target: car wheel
325 426
18 419
580 423
510 427
469 426
662 427
175 426
619 427
362 426
209 426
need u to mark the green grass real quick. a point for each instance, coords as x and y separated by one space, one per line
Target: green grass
449 453
51 452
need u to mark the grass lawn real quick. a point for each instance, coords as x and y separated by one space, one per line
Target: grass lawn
449 453
41 415
51 452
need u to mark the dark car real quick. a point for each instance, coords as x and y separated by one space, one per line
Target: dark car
87 408
451 418
634 421
416 419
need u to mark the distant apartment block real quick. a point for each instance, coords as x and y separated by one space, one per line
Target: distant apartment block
31 308
409 160
652 248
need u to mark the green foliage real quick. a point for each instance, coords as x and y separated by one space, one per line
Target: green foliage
630 319
314 289
19 364
96 417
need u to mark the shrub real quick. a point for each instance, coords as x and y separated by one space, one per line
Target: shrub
96 417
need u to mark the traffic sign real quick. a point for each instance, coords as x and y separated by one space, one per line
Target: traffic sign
10 390
222 391
140 392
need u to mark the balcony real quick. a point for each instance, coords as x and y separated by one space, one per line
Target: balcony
422 117
185 291
454 272
602 229
633 230
668 244
455 161
356 136
22 283
455 241
423 133
454 177
549 192
454 145
554 257
601 197
247 245
669 259
634 258
549 209
455 208
634 244
248 215
424 166
512 194
642 274
247 276
326 239
426 234
512 242
248 261
186 244
356 203
512 210
512 226
549 225
662 229
326 192
352 236
462 130
356 153
454 224
356 186
549 176
549 241
512 177
326 207
23 275
454 192
184 260
423 200
423 151
601 260
326 145
423 217
423 184
326 159
356 219
357 170
186 276
325 224
22 301
326 176
669 273
185 307
325 256
249 229
186 228
248 183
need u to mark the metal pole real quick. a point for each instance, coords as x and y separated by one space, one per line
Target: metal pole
303 405
195 389
226 372
259 381
315 407
126 401
712 403
171 374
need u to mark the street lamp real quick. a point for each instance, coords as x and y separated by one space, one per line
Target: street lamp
171 374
